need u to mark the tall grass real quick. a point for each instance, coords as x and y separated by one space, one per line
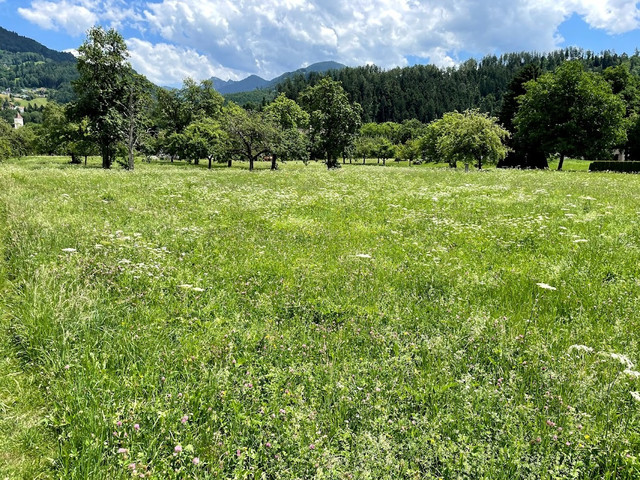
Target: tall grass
361 323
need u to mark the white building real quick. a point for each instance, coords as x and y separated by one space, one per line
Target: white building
18 121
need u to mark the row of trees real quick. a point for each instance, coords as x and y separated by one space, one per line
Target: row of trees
118 113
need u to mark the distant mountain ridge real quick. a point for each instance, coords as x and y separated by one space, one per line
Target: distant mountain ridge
254 82
15 43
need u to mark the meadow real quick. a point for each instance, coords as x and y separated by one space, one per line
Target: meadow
367 322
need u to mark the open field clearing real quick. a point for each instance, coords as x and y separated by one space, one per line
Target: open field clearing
367 322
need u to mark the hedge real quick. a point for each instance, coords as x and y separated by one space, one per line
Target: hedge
602 166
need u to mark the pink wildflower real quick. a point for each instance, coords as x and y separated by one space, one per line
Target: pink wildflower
178 448
136 427
195 460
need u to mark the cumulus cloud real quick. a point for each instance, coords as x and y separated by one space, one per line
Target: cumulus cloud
271 36
166 64
69 16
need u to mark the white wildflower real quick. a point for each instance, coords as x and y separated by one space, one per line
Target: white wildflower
580 240
581 348
632 373
197 289
636 396
546 286
69 250
363 255
186 286
623 359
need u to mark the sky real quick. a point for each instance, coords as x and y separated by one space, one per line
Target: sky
170 40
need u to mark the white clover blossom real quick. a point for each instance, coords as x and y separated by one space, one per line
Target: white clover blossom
546 286
636 396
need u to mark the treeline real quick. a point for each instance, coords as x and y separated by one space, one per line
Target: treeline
569 103
426 92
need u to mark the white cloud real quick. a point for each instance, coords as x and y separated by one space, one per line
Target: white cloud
71 17
271 36
169 65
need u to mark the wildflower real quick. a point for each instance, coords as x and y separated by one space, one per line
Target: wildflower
197 289
282 411
123 450
636 396
363 255
69 250
136 427
177 448
631 373
268 444
132 466
581 348
119 423
550 423
184 419
555 438
580 240
195 460
312 446
546 286
623 359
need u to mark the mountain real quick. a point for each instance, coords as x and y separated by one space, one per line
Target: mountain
12 42
27 64
254 82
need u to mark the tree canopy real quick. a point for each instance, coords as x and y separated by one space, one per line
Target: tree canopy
571 112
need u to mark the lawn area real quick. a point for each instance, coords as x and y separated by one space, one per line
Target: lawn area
177 322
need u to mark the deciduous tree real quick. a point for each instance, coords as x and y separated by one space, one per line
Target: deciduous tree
571 112
334 121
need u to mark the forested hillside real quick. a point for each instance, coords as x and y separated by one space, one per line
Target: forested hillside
426 92
25 63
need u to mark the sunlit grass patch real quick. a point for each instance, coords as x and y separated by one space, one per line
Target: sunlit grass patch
382 322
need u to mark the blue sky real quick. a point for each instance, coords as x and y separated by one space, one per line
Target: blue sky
172 39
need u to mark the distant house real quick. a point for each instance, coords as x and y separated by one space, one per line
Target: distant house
20 109
18 122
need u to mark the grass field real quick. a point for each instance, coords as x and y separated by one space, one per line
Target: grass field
24 103
175 322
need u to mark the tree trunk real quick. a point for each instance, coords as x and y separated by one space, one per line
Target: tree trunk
106 157
384 162
209 158
229 162
75 160
364 159
480 163
85 160
251 164
274 162
561 162
331 162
